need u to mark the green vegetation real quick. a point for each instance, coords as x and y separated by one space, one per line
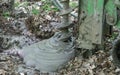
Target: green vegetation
16 4
35 11
73 4
48 6
6 14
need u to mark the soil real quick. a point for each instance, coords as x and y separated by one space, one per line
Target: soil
22 32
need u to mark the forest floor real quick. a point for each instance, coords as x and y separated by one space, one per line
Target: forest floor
22 29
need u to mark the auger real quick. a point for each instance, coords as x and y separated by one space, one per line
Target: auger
52 54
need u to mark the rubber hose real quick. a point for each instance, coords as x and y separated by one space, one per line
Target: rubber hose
116 52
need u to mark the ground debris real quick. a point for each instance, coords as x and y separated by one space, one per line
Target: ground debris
98 64
41 26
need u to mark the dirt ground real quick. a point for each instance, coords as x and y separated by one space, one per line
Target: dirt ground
23 31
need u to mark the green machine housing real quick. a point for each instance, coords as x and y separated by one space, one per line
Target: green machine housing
96 20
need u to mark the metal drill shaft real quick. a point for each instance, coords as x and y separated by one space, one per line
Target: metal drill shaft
65 21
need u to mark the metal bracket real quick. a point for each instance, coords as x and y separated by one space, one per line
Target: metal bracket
91 28
111 12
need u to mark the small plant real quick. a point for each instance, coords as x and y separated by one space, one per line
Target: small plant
35 11
48 6
55 9
16 4
73 4
43 0
6 14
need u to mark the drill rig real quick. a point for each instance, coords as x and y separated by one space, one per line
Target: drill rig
96 19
